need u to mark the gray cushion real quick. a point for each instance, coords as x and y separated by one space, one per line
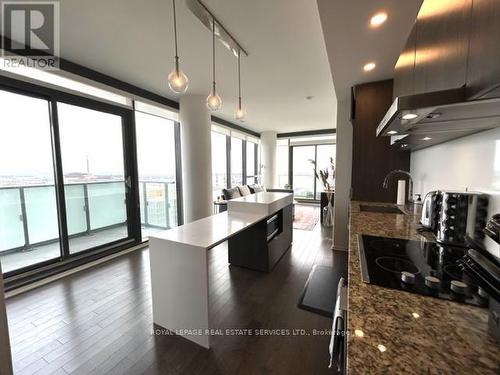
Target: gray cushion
256 188
244 190
231 193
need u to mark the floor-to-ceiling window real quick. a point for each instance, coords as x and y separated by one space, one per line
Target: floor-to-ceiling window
63 179
219 162
303 171
156 163
236 161
94 176
325 156
251 161
28 207
307 155
282 166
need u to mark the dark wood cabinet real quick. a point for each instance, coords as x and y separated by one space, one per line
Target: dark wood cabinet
483 71
442 42
372 156
404 70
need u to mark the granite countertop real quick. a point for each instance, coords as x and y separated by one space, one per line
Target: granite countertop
394 332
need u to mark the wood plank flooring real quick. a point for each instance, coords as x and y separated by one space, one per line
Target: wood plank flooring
99 321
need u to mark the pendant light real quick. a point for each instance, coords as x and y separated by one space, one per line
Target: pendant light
240 112
214 102
177 80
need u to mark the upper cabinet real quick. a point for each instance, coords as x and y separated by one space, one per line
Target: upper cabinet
404 69
441 47
453 44
483 71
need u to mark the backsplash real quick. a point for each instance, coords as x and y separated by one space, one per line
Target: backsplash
472 163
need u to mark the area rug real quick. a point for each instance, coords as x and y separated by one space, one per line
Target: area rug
306 217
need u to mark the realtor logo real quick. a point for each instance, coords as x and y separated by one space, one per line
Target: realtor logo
30 34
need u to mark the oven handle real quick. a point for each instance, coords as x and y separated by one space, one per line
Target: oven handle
337 341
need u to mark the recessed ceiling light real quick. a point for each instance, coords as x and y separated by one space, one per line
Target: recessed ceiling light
370 66
392 132
382 348
358 333
409 116
426 139
309 97
378 19
415 315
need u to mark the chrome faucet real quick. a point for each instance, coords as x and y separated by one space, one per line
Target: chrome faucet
410 180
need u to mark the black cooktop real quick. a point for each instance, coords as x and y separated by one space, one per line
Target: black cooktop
420 267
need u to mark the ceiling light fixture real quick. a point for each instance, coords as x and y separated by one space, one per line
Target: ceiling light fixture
426 139
177 80
378 19
240 112
392 132
409 116
214 101
369 66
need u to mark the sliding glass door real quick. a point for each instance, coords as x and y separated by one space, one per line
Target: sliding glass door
94 176
29 232
67 183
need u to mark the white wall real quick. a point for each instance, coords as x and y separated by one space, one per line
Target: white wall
472 163
343 166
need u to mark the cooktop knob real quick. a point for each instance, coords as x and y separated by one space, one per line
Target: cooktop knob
408 277
432 282
458 287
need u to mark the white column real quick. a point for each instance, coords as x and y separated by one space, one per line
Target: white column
196 142
268 158
343 165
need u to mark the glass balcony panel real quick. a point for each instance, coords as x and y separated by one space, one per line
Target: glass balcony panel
156 194
41 214
11 222
107 204
75 207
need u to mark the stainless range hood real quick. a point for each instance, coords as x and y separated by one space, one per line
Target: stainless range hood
439 113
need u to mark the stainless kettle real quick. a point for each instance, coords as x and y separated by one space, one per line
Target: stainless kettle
430 210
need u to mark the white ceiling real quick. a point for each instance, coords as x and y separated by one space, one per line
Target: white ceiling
133 41
351 43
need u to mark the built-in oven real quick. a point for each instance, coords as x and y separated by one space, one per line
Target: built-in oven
338 341
273 227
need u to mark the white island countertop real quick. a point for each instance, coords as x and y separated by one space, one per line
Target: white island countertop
265 203
213 230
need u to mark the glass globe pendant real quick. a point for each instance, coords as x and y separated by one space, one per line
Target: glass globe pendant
214 101
177 80
240 114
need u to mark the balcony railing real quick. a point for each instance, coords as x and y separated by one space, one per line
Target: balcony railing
28 214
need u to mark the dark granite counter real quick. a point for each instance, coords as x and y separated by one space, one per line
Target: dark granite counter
393 332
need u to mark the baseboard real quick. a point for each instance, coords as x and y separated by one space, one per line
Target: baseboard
37 284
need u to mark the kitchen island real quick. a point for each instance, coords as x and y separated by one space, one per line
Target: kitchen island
258 229
395 332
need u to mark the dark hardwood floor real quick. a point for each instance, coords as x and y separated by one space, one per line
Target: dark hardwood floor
99 321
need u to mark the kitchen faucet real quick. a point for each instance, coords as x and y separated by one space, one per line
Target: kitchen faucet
385 185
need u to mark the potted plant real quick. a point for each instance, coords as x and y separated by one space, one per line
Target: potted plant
327 178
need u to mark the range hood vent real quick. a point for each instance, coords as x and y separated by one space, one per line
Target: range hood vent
440 113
